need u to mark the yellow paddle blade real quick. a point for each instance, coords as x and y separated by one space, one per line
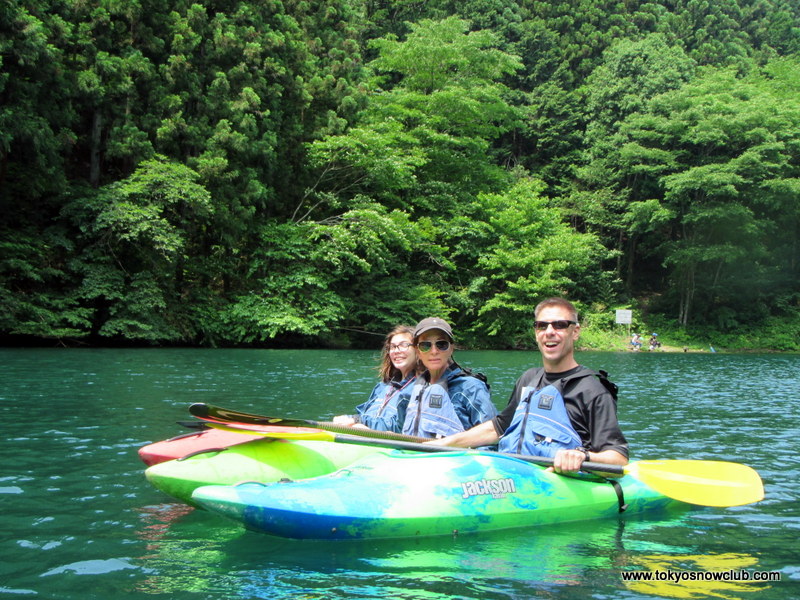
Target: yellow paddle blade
296 433
702 482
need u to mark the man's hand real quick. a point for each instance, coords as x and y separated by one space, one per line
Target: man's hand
568 461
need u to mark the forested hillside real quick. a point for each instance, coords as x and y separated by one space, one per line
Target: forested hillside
295 173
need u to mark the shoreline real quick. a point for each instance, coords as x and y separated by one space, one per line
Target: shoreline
684 350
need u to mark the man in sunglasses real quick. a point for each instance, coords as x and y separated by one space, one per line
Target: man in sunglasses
563 410
446 398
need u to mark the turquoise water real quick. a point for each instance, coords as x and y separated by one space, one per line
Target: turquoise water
79 520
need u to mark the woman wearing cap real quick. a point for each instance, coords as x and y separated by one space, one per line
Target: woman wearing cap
386 407
446 399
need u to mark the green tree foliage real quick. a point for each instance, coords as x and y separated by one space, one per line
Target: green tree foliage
137 242
425 143
344 271
296 172
529 254
36 117
424 146
632 72
720 157
91 91
772 26
560 44
34 300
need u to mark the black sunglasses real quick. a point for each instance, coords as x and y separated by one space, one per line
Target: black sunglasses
441 346
542 325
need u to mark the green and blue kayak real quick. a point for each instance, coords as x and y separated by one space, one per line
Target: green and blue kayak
394 494
262 460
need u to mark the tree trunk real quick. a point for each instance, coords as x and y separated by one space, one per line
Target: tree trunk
94 166
631 264
687 295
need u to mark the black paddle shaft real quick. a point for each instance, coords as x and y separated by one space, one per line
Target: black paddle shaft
225 415
538 460
368 437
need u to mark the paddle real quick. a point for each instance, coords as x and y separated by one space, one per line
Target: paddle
704 483
308 433
209 412
193 425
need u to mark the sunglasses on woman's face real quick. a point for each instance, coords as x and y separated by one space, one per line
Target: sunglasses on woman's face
441 346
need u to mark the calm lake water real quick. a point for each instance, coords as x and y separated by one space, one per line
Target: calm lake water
79 520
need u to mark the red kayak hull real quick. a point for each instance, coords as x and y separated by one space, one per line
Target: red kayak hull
191 443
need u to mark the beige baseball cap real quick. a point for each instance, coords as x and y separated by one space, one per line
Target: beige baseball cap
433 323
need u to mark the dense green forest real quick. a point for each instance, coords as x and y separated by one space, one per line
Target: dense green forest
310 173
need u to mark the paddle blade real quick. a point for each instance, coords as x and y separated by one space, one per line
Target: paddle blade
209 411
701 482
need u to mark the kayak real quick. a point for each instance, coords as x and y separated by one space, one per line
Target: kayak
189 443
262 460
209 440
394 494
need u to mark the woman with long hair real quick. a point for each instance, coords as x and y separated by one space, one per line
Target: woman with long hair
386 407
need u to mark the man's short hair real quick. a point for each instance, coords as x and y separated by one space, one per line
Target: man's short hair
563 303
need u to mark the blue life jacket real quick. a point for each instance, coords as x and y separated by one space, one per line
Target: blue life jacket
541 425
432 413
385 409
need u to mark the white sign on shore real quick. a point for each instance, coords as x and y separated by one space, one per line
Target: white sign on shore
624 317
